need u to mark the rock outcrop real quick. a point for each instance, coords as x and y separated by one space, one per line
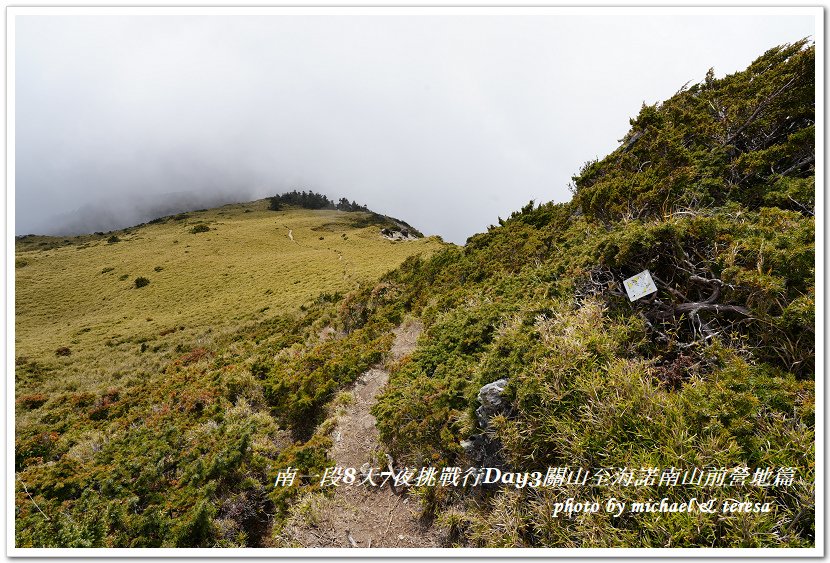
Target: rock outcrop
393 234
484 449
490 397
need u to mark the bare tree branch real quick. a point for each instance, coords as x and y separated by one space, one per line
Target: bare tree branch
758 110
711 307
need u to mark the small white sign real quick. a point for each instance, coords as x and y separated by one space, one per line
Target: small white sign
639 285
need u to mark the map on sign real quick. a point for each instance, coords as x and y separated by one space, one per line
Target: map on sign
639 285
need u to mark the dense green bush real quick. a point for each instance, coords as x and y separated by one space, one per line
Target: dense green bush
306 200
713 193
724 140
299 389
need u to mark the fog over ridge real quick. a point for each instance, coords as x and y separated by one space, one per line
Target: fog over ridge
446 122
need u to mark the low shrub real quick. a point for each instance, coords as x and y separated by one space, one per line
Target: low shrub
32 400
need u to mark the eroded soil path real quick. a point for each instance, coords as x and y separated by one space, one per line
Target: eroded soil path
362 516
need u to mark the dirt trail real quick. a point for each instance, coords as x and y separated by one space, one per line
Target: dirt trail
362 516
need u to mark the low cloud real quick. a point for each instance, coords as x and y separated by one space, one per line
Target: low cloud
445 122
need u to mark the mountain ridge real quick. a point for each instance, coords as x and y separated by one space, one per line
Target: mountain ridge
712 192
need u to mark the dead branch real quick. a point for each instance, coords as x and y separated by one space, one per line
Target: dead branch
32 499
702 306
799 164
768 100
390 465
391 514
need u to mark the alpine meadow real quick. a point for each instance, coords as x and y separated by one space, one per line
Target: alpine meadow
167 374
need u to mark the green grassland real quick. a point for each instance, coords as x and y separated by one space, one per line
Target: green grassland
139 420
81 294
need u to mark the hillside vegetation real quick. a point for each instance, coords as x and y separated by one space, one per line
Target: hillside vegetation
120 385
712 191
211 269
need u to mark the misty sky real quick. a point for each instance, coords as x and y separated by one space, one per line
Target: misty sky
447 122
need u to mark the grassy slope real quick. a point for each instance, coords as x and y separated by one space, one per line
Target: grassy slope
156 430
245 268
